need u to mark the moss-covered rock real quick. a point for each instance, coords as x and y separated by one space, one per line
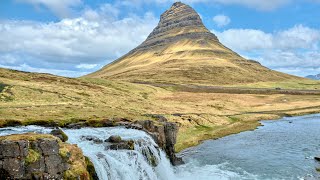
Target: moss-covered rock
92 172
24 156
60 134
32 157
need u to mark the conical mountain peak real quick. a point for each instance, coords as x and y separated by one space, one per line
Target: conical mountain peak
181 50
179 22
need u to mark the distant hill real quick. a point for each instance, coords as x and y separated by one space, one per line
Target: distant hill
181 50
314 77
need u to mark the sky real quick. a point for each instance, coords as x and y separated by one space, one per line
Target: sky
75 37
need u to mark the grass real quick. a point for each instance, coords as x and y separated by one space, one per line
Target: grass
57 101
32 157
78 166
27 136
2 86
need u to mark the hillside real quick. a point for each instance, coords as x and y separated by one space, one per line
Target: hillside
181 50
201 113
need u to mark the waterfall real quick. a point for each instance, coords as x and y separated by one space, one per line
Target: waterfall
145 162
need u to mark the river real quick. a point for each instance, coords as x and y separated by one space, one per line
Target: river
281 149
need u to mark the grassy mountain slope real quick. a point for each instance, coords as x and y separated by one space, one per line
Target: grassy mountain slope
181 50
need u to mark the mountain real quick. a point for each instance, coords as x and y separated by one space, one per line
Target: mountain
181 50
314 77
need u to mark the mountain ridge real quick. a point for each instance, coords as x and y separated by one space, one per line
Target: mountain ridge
181 50
314 77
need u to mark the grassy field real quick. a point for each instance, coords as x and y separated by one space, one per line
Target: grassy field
30 98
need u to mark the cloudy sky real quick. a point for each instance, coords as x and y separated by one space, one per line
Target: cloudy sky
75 37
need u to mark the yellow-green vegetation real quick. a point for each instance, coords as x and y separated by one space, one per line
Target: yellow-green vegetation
32 156
78 166
318 169
47 99
27 136
305 84
91 169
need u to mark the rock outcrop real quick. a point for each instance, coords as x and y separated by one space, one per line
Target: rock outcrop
164 134
177 23
35 156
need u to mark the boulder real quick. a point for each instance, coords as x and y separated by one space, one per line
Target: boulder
60 134
317 158
114 139
123 145
92 138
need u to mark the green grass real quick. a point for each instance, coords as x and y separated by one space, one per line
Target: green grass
32 157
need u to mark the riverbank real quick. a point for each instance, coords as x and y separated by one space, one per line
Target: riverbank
47 100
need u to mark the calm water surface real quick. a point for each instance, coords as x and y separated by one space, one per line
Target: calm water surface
282 149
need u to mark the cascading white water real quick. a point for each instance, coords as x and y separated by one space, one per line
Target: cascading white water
132 164
122 164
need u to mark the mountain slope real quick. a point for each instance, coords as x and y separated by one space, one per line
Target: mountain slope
181 50
314 77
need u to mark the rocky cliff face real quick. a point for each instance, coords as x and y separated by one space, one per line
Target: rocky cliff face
165 135
34 156
177 23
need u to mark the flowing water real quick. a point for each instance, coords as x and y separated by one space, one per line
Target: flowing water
282 149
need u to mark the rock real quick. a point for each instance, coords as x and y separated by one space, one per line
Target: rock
171 130
91 170
60 134
92 138
164 134
20 163
151 158
123 145
39 156
181 19
114 139
317 158
78 125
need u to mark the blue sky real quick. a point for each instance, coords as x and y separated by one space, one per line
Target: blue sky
75 37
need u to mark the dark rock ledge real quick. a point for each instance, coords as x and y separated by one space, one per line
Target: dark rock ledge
40 156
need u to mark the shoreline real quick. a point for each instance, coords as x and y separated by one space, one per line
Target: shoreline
251 126
233 128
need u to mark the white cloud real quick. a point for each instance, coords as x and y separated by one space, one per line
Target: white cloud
62 8
221 20
298 36
92 38
245 39
295 49
61 72
86 66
